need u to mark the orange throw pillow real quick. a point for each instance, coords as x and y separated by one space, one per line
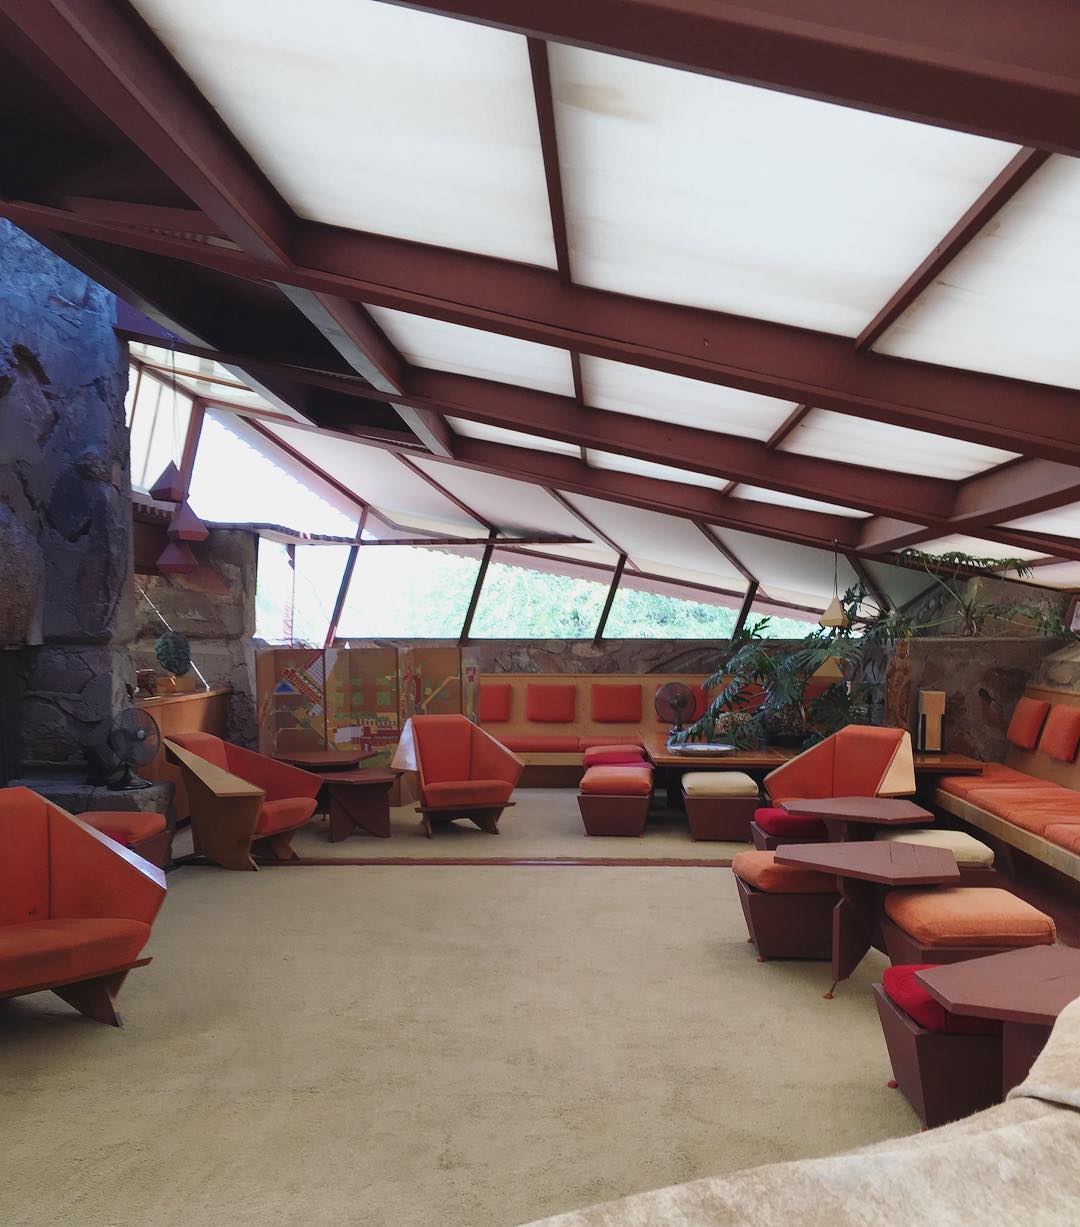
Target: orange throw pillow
1027 719
616 704
494 703
551 704
1061 734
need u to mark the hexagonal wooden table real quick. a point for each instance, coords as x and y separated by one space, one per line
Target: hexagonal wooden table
849 817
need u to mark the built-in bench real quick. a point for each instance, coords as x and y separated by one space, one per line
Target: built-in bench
1031 802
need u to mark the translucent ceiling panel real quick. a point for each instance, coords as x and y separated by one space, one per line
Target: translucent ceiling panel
1060 521
838 436
1008 304
761 495
691 189
378 478
646 393
374 117
471 351
977 548
789 572
665 545
648 468
512 438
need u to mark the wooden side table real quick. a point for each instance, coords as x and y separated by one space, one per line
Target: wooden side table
850 817
359 800
318 761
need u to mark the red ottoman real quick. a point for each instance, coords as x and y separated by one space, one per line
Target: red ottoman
614 800
772 827
145 834
614 756
788 911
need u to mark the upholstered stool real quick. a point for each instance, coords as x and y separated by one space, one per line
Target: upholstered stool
612 756
719 804
614 799
788 910
946 1064
145 834
949 924
771 827
974 858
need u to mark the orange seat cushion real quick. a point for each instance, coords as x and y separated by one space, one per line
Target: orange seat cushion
62 951
1064 834
598 756
1061 733
624 739
550 704
493 704
760 870
284 815
995 775
616 704
552 743
462 793
1031 809
968 916
618 781
1027 721
125 826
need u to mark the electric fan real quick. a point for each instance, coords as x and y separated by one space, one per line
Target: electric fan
134 739
675 701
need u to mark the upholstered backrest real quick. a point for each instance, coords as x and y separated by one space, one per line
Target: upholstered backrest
205 745
493 702
443 748
551 704
489 759
1028 718
615 703
809 774
277 780
24 861
873 762
1060 737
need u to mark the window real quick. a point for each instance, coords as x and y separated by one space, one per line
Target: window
649 615
157 419
294 601
408 592
518 602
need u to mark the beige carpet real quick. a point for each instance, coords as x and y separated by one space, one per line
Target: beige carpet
450 1046
545 824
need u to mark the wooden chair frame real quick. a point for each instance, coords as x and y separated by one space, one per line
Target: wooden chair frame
224 811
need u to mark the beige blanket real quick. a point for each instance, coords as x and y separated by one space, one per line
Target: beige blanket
1018 1163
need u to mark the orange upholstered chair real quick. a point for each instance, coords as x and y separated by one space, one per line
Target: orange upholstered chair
75 907
241 801
859 761
463 771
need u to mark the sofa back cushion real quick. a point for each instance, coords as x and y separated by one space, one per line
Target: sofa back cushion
493 703
1027 721
24 862
443 745
1061 733
616 704
551 704
863 757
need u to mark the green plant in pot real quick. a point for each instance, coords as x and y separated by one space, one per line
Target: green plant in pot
173 654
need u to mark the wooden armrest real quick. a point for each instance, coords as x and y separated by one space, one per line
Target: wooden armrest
220 782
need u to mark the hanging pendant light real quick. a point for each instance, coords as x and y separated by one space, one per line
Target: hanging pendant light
834 617
185 525
169 487
177 559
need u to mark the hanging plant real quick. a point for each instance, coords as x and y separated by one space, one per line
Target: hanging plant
173 653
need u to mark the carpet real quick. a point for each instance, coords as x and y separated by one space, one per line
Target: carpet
397 1047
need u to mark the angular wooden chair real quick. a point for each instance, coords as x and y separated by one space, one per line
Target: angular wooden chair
241 802
75 907
463 772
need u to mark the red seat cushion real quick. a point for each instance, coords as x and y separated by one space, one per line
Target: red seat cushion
463 793
550 704
125 826
598 756
284 815
780 822
552 744
1061 733
618 781
615 704
623 739
61 951
1027 721
493 705
904 990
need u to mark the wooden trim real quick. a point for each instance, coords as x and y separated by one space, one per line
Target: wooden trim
610 600
474 600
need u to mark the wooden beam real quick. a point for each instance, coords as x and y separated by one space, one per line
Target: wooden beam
786 427
744 609
719 545
342 594
610 599
580 516
474 600
447 494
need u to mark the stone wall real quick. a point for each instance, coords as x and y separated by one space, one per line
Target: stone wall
215 608
936 612
65 512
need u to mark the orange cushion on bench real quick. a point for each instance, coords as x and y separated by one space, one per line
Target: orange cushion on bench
775 821
618 781
125 826
995 775
1031 809
614 704
968 916
50 951
493 704
1064 835
1061 733
1027 721
598 756
902 988
538 743
550 704
760 870
468 792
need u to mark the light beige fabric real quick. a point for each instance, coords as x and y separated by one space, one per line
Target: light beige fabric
966 848
1016 1163
718 784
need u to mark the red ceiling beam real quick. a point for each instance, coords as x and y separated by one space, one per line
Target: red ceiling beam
786 426
984 66
592 528
715 541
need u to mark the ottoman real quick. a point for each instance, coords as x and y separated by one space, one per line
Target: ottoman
145 834
952 923
719 804
615 799
948 1066
974 859
771 827
788 911
613 756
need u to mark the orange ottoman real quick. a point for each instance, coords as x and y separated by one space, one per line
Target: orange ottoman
949 924
788 910
615 799
145 834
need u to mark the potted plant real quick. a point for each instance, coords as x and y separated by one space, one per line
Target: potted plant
173 653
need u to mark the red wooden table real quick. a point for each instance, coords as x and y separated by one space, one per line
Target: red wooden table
358 800
322 760
848 817
1025 989
862 868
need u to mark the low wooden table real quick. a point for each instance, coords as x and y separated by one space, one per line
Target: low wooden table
1025 989
848 818
358 800
862 868
322 760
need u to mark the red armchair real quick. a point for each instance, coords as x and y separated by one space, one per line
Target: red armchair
75 907
241 802
463 771
859 761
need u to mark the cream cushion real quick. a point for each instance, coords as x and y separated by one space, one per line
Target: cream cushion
965 848
718 784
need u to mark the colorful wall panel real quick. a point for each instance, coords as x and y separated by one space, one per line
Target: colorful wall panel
292 699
